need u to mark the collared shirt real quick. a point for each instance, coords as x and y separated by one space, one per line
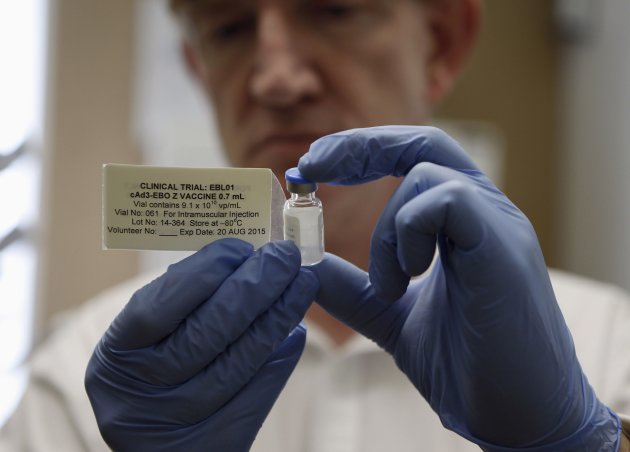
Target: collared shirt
352 399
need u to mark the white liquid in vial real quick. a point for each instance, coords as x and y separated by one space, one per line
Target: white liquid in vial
304 226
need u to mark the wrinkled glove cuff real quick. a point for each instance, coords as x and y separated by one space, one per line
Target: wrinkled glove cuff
601 431
625 434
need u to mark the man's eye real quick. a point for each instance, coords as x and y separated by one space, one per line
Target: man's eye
232 30
339 10
336 9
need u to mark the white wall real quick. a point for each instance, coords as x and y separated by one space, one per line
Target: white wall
172 121
23 28
594 171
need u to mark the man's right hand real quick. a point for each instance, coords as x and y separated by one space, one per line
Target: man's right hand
480 334
197 358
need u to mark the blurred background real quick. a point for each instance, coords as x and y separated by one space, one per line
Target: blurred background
544 107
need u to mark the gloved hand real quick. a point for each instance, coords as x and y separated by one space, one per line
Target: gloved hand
480 335
197 358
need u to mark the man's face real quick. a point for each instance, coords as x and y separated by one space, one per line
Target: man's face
282 73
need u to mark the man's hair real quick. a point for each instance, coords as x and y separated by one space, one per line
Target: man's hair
175 4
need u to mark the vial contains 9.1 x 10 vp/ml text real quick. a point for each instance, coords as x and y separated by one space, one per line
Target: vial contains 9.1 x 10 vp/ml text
303 217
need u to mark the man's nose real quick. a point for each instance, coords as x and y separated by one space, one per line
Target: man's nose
282 75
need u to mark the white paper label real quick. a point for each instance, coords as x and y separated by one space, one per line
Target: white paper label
292 228
162 208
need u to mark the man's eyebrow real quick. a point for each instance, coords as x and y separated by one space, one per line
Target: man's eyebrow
209 5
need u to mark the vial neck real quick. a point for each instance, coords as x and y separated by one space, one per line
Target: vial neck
306 197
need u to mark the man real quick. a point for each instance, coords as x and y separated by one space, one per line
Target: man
192 363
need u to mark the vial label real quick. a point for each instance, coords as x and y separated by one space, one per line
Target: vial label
292 229
162 208
305 227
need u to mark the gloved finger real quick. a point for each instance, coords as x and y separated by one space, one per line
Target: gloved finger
361 155
346 293
226 375
158 308
452 208
233 428
403 242
264 388
208 331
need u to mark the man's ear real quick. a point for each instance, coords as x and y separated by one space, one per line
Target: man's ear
192 61
453 25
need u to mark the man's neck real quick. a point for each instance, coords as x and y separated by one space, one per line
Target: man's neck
335 330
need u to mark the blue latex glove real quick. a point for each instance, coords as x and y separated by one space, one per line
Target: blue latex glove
197 358
480 335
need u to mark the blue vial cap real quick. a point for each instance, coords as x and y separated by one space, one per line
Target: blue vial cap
296 183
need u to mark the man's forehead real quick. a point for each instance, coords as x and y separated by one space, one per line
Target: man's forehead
177 4
210 7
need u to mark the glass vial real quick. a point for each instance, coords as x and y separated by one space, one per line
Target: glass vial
304 218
